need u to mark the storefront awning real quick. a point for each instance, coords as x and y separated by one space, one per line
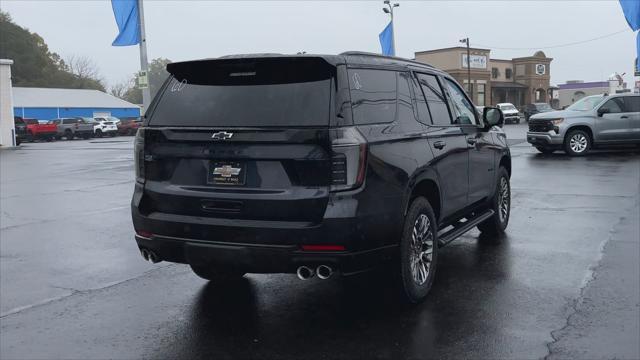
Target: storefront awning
507 85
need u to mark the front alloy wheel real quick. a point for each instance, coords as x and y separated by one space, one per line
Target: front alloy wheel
577 143
418 251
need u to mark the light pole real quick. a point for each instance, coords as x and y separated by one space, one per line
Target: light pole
389 10
469 87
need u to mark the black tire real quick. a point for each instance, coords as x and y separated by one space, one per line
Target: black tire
577 143
545 150
496 224
518 121
99 133
18 141
415 284
209 273
68 134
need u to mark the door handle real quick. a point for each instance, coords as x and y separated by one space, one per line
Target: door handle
624 117
439 145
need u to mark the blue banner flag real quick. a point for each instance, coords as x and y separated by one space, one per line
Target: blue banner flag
386 40
126 14
631 10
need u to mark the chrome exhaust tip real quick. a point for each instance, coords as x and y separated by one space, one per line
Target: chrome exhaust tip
324 272
305 273
145 254
153 257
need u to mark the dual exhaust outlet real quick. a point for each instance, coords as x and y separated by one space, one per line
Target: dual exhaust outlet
150 256
323 271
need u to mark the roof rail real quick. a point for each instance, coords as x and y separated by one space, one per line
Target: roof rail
364 53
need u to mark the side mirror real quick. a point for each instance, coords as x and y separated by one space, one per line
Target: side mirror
492 116
603 111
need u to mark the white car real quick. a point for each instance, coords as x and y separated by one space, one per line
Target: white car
105 126
511 114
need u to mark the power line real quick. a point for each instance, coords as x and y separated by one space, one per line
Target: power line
554 46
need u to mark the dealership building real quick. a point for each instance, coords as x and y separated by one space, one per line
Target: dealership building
519 81
50 103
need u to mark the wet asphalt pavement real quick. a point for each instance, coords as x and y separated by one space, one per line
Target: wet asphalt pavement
563 283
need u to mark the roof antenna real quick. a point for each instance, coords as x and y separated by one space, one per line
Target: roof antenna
301 52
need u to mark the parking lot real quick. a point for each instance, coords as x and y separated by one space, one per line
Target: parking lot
74 285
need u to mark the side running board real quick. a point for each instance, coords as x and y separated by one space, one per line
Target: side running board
461 227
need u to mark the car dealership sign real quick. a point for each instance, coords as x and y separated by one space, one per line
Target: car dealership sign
477 61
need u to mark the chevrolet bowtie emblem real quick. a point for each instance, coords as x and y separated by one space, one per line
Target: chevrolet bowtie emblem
226 171
222 135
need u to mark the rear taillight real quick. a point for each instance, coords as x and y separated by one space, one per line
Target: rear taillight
349 159
138 155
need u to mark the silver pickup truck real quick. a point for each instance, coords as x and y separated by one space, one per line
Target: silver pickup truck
593 121
73 127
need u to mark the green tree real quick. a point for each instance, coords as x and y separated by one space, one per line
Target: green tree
34 65
157 75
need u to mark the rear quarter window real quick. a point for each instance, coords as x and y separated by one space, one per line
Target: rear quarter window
373 95
632 103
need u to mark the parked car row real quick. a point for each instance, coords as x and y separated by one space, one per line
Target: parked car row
28 129
512 114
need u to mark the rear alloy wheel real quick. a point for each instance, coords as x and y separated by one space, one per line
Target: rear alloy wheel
69 135
209 273
99 133
418 251
501 206
545 150
577 143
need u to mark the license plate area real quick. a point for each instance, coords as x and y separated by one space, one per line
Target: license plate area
227 173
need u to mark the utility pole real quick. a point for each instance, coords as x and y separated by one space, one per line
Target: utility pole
144 63
389 10
469 87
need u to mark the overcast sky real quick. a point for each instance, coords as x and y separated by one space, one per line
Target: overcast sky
181 30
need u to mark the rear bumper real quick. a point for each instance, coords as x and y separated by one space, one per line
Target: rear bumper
544 139
255 246
254 258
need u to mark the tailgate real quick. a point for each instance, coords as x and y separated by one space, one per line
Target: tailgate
253 174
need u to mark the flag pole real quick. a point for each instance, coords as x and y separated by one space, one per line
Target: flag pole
144 63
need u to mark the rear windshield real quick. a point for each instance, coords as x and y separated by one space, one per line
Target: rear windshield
273 92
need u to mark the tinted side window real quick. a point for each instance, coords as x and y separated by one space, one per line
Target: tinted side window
435 99
464 112
632 103
421 104
69 121
373 95
614 106
405 103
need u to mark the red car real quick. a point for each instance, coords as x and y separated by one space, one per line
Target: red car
38 131
128 126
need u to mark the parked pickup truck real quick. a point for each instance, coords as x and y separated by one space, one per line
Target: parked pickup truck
21 129
38 131
73 127
128 126
591 122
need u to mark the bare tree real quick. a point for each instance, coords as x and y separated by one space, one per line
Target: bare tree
120 89
84 69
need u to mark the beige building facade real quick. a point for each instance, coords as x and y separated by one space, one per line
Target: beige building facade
519 81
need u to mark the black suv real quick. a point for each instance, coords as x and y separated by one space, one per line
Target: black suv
314 164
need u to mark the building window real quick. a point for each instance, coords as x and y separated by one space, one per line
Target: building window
508 73
495 73
480 88
466 88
